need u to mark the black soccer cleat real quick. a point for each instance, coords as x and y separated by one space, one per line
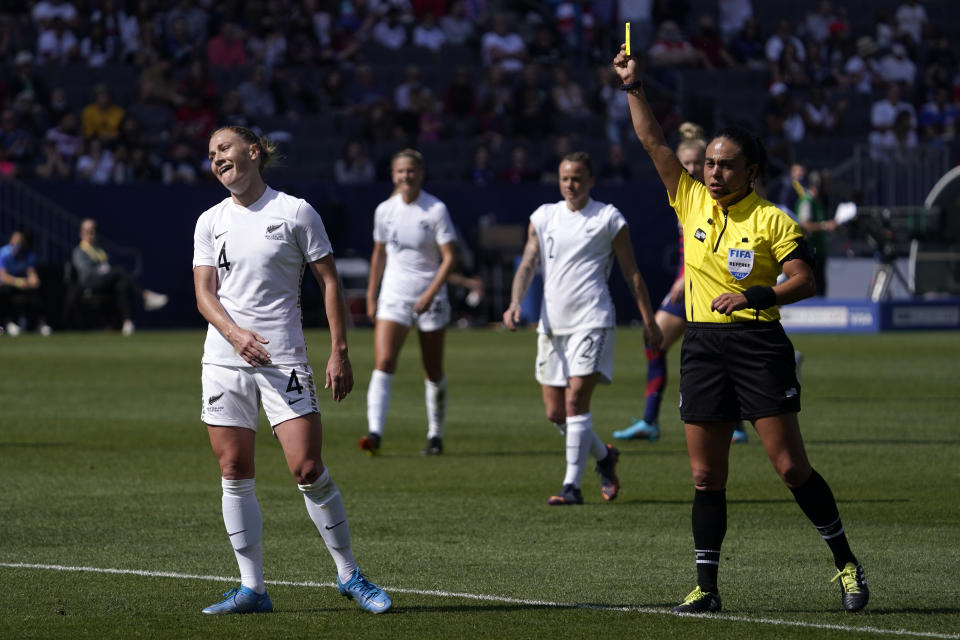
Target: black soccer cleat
699 602
434 446
853 587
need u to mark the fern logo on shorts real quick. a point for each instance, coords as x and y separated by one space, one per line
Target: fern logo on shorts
213 399
739 262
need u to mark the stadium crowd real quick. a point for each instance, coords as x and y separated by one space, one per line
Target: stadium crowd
115 91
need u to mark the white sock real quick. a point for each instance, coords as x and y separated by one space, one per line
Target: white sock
597 447
325 507
378 400
579 440
436 396
241 517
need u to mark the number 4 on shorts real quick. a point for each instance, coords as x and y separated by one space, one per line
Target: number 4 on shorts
294 383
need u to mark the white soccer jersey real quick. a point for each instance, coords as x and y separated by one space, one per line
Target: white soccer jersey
576 257
260 253
413 234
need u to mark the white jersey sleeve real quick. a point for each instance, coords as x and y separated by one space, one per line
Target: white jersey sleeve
576 257
310 233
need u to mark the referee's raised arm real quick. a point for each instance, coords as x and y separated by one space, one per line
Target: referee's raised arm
645 124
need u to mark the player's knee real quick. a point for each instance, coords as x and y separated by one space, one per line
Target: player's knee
705 479
556 416
387 365
794 474
307 471
234 470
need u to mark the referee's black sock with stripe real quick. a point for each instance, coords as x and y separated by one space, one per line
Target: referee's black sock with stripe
816 500
709 528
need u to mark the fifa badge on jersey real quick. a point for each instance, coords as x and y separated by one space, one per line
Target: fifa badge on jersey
700 235
739 262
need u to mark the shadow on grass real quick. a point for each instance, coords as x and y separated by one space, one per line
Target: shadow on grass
881 441
35 445
487 608
764 501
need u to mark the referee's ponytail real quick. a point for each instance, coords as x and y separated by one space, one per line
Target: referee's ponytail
750 145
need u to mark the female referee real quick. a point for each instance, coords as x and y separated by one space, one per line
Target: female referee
250 251
736 360
413 251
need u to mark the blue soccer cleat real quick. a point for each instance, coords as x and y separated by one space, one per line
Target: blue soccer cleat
368 595
242 600
639 430
739 436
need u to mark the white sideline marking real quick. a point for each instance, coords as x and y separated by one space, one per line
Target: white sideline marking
490 598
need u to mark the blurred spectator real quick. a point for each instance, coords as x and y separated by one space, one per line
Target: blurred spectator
411 82
817 69
269 46
231 110
896 144
57 44
885 28
193 16
884 112
197 120
101 118
293 97
821 116
640 16
458 29
567 98
748 46
21 304
153 115
258 101
380 123
502 47
97 48
533 116
93 269
95 164
911 20
816 24
389 32
938 117
615 170
59 104
707 39
790 69
816 225
46 11
519 171
544 49
671 49
226 49
428 34
616 109
861 70
120 25
65 138
363 92
179 46
334 88
13 38
940 63
777 43
896 66
548 168
734 15
460 98
574 22
51 165
197 82
15 141
180 167
432 126
480 172
785 189
159 77
8 168
354 165
495 97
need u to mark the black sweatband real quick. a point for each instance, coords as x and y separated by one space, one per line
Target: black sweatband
759 297
630 86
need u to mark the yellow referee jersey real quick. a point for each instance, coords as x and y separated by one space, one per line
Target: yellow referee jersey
729 251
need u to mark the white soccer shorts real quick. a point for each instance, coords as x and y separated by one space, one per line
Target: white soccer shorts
400 310
579 354
232 395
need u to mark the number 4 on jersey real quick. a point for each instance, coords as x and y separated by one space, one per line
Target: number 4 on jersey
294 383
222 261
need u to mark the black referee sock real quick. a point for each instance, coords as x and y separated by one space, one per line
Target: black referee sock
817 502
709 528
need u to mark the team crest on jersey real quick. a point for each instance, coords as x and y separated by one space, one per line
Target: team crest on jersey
739 262
270 235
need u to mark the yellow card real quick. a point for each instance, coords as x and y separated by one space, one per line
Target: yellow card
627 37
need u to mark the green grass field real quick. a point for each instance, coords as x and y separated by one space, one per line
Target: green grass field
105 466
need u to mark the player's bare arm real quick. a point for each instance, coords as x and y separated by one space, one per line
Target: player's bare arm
247 344
646 126
339 373
447 261
623 250
522 279
378 262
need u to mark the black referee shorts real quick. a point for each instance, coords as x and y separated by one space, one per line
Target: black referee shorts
737 370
